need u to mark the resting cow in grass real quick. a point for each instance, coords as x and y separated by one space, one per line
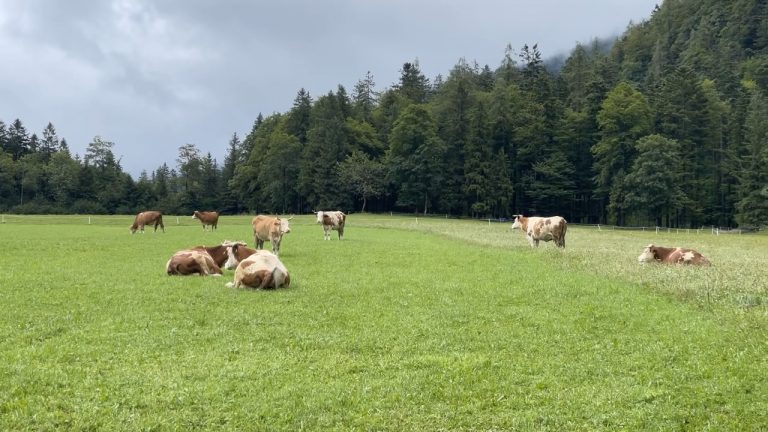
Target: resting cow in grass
271 229
207 219
542 229
192 261
221 254
331 220
674 255
262 270
147 218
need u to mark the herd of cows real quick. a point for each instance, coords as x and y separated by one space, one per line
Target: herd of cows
259 268
254 268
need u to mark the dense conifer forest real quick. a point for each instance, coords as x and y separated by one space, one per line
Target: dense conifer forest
665 126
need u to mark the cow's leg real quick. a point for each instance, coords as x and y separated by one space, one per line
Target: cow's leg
275 246
341 232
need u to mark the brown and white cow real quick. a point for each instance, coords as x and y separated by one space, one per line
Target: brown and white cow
542 229
222 255
192 261
207 219
147 218
676 255
331 220
271 229
236 252
262 270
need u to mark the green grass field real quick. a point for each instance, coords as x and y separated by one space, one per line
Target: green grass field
407 324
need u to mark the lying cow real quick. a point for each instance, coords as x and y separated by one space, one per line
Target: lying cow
207 219
271 229
331 220
542 229
222 255
675 255
147 218
236 252
192 261
262 270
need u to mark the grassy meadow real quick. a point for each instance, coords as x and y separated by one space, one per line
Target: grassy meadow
407 324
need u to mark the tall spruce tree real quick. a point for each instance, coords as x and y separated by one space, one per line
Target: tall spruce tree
415 159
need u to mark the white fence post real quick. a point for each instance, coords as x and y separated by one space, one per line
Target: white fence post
89 220
177 220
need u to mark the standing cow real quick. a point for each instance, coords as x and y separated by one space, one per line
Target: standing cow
271 229
675 255
331 220
147 218
192 261
262 270
207 219
542 229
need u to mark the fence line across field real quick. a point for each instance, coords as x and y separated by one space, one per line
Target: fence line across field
118 220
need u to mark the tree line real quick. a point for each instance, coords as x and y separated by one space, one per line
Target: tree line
655 129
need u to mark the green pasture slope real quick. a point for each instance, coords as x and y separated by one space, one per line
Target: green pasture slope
407 324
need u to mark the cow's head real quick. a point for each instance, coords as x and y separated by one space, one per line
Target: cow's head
320 215
232 246
517 223
196 215
282 225
649 254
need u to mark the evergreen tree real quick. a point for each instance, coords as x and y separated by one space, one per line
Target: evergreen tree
279 174
413 85
364 98
654 190
50 142
752 205
327 144
299 118
415 159
624 118
17 143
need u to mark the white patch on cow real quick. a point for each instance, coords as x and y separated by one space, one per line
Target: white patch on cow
232 262
688 256
230 285
647 256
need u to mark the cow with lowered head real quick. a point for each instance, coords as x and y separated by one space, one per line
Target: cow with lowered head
271 229
207 218
147 218
676 255
542 229
262 270
192 261
331 220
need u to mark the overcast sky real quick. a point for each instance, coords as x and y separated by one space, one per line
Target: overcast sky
151 76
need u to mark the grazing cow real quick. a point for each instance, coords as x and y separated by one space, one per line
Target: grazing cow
542 228
192 261
331 220
207 219
147 218
675 255
271 229
221 253
262 270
